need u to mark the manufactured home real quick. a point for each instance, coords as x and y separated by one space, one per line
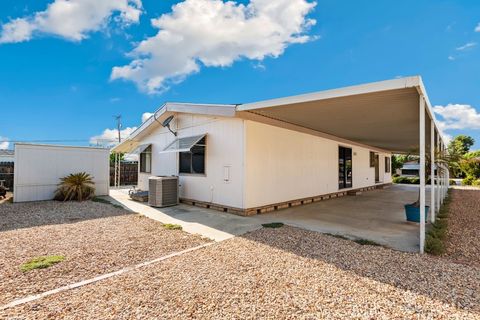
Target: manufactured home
262 156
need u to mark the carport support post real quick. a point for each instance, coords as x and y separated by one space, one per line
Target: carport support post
438 175
432 171
422 173
443 176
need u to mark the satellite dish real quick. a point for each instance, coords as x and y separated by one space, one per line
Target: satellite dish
166 124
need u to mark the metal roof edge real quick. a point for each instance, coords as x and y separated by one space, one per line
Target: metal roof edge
59 146
385 85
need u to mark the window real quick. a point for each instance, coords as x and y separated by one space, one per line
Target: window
146 160
372 159
344 167
193 161
387 164
410 172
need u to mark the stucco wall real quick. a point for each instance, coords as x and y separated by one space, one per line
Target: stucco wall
224 149
283 165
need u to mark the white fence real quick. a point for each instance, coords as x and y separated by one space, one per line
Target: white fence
38 169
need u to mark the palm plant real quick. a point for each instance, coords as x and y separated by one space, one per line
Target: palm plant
76 186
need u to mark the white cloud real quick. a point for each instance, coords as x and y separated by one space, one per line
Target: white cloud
72 19
109 137
477 29
458 116
214 33
466 46
4 144
146 115
447 137
451 58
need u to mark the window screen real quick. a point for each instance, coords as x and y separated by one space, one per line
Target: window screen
146 160
193 161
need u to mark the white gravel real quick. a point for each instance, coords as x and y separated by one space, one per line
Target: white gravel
463 234
280 273
95 238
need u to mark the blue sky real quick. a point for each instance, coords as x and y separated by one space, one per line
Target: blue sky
65 81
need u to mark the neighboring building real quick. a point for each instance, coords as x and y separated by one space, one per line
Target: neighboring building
7 155
411 169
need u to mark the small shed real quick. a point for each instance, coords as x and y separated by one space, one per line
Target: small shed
38 169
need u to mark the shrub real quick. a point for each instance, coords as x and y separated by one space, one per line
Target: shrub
76 186
41 262
395 175
452 182
414 180
434 245
476 183
440 223
273 225
171 226
408 180
439 233
468 181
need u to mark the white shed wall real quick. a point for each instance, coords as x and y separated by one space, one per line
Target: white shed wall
283 165
224 149
38 169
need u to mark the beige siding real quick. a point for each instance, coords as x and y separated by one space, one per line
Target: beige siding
283 165
224 149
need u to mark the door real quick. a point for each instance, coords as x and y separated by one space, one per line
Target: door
377 168
345 166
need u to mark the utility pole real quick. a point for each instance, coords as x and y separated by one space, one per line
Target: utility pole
118 118
119 126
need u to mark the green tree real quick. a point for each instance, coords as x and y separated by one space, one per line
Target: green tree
398 160
461 144
457 149
112 157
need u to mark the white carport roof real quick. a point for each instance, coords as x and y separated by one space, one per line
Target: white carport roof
383 114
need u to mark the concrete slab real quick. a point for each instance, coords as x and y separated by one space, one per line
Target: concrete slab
209 223
376 215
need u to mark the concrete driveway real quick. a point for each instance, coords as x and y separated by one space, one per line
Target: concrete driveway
376 215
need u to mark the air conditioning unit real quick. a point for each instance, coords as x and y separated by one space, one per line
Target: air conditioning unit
163 191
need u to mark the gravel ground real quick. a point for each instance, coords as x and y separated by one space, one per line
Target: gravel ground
280 273
463 236
95 238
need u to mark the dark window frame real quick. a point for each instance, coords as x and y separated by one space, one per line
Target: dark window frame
345 167
145 161
410 172
372 159
387 165
193 162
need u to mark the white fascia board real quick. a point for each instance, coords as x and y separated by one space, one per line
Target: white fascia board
408 82
44 145
222 110
422 91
